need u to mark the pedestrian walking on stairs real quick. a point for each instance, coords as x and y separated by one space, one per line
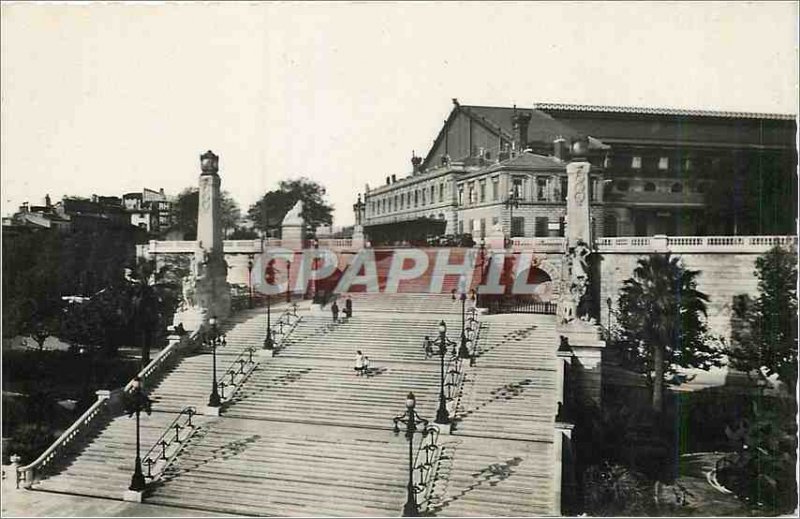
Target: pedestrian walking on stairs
359 365
335 311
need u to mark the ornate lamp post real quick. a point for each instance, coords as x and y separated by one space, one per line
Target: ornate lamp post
463 352
609 302
482 256
511 202
288 281
442 416
269 343
250 281
214 339
410 418
137 402
314 297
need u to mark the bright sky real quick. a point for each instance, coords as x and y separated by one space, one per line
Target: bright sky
108 99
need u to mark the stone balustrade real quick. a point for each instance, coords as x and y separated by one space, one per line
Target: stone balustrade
694 244
539 244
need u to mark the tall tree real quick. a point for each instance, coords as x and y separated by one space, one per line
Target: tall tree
268 213
661 324
184 213
764 329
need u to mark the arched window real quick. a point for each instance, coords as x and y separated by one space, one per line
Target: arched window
650 187
677 187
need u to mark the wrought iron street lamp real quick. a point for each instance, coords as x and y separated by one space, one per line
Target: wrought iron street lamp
314 297
269 342
411 418
442 416
214 339
136 402
482 250
250 281
463 352
609 302
512 202
288 281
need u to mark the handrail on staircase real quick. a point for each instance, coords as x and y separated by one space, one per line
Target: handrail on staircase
287 314
159 361
27 473
425 464
237 375
166 440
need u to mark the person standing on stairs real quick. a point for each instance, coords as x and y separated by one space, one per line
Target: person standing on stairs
348 307
335 311
360 361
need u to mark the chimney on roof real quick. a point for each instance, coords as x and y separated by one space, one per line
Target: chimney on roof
388 180
455 101
161 191
47 202
520 120
560 148
415 162
394 178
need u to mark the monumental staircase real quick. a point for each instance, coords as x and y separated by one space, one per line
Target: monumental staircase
301 434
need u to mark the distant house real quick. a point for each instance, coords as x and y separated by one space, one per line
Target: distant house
149 210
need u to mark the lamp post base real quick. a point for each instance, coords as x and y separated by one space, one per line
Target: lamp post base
211 410
133 496
410 509
442 417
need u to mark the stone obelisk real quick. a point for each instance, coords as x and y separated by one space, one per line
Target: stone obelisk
211 285
573 321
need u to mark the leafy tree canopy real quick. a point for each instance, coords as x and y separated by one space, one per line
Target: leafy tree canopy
268 213
661 324
764 329
184 212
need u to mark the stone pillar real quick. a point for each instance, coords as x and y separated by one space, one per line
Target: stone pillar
211 271
581 332
579 226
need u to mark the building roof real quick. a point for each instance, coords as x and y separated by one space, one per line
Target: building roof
542 127
681 112
529 160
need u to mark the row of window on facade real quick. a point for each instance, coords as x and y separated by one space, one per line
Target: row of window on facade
546 189
542 226
650 187
662 163
417 198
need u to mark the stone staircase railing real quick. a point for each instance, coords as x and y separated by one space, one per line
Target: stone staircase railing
28 473
167 447
106 404
164 359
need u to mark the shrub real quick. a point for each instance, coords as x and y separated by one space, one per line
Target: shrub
611 489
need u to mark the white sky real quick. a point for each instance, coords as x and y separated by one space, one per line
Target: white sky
108 99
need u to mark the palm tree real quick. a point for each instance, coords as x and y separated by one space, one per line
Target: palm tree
661 324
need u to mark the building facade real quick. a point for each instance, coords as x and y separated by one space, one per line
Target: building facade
654 171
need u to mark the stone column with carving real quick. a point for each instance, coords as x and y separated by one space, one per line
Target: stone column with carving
212 293
580 331
358 228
